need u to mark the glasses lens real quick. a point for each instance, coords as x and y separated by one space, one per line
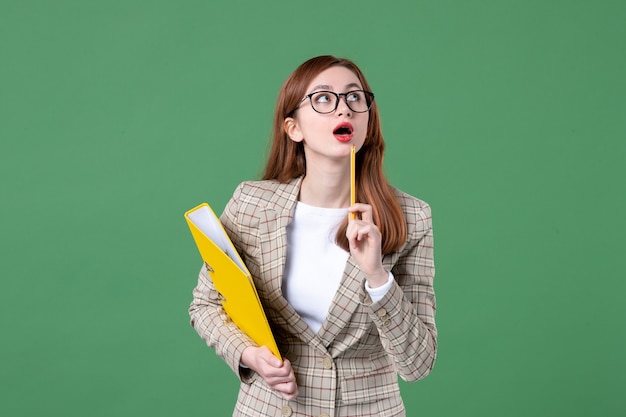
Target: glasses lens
358 101
324 102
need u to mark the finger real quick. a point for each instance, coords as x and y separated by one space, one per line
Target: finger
280 381
365 211
283 373
367 215
277 374
352 234
363 231
268 357
360 233
289 392
289 387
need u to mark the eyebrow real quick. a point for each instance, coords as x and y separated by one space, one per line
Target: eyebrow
328 87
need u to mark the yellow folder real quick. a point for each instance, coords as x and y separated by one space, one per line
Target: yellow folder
230 276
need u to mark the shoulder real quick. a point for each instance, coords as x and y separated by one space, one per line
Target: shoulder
264 191
411 204
417 213
252 197
245 209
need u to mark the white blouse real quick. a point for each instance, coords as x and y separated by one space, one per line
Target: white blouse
315 264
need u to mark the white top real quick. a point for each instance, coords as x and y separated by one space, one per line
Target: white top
315 264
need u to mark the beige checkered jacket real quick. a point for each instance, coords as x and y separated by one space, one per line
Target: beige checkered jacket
350 367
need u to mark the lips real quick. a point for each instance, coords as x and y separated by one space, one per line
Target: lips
343 132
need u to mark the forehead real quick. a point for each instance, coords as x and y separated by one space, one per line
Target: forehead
335 78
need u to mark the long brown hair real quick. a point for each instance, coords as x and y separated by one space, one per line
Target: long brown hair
286 159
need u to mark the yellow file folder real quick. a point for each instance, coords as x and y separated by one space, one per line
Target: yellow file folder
230 276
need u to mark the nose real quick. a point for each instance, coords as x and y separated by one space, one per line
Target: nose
342 107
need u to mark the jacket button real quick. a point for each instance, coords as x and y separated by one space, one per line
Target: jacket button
324 415
327 363
286 411
382 312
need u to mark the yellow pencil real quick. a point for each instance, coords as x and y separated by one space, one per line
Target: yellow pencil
352 179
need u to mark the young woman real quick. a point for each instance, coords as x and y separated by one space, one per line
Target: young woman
350 300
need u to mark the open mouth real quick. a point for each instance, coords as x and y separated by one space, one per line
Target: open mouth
343 132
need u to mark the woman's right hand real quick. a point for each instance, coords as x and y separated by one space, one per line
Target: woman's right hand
276 373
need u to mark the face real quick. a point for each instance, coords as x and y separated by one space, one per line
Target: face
329 135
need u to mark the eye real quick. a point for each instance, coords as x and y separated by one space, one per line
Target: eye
354 96
322 98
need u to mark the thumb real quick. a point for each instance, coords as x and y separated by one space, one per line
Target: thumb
269 357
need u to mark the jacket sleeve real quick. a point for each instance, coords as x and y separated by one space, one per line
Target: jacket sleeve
405 316
209 319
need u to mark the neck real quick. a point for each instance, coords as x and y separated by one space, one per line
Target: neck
326 186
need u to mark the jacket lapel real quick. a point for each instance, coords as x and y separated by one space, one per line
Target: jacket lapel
349 296
346 300
275 217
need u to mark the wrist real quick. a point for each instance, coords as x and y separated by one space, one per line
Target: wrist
377 280
247 357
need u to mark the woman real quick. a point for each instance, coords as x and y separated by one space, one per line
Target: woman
350 300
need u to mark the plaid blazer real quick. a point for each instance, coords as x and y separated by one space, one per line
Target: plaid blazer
350 367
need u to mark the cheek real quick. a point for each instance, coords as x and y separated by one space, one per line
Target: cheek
310 124
363 126
312 130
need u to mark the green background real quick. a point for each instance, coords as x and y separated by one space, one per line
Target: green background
508 117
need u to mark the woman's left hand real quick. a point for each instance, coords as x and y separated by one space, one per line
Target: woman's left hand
365 245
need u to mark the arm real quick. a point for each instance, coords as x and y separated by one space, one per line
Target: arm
213 325
405 316
243 356
210 320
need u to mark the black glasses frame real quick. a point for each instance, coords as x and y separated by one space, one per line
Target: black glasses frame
369 97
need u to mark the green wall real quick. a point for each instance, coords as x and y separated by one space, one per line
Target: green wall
508 117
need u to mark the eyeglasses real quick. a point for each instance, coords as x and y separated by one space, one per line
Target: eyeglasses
324 102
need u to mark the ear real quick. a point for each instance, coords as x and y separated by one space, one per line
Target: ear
292 129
